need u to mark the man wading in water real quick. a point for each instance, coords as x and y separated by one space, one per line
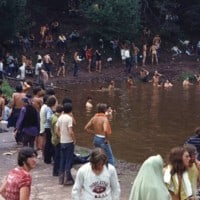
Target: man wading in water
99 126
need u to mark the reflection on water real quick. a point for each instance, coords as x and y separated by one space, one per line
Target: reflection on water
148 120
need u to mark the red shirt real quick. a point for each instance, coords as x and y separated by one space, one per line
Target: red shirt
17 178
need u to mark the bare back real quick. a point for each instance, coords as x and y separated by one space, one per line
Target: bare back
17 99
99 124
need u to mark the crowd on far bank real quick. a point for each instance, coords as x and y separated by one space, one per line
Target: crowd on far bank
52 52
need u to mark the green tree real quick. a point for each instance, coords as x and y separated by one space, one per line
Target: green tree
113 18
13 18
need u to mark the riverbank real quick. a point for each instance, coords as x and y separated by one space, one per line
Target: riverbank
45 186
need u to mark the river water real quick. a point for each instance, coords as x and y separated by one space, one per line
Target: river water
148 120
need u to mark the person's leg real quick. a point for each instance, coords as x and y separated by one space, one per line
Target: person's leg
59 70
156 58
100 66
31 141
56 164
75 69
100 142
68 164
25 140
62 163
48 149
63 70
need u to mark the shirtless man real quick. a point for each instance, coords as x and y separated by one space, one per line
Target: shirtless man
167 84
135 51
16 105
99 126
111 85
47 64
130 82
187 82
43 78
37 99
157 41
156 78
144 75
154 55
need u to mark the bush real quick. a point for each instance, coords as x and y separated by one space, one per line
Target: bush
7 89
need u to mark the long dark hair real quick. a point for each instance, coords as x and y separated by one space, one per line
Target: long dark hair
176 160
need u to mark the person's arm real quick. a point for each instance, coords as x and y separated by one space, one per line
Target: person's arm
78 185
114 183
71 132
48 115
24 193
3 189
106 128
87 127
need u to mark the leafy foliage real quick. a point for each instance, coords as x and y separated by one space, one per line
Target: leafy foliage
7 89
13 18
113 18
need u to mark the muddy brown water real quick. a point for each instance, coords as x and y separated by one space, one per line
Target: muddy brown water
148 120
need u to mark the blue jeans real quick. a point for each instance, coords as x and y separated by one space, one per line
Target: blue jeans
100 142
66 157
56 165
48 148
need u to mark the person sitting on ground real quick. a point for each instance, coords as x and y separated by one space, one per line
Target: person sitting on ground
17 184
153 188
97 179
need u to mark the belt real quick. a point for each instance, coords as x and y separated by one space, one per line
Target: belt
101 136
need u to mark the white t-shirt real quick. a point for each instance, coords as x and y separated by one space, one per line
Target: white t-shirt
1 66
65 122
37 67
89 186
42 118
22 71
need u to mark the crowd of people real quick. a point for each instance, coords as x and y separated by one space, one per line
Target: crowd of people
41 123
45 126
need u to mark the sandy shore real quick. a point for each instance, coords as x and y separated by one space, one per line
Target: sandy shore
45 186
